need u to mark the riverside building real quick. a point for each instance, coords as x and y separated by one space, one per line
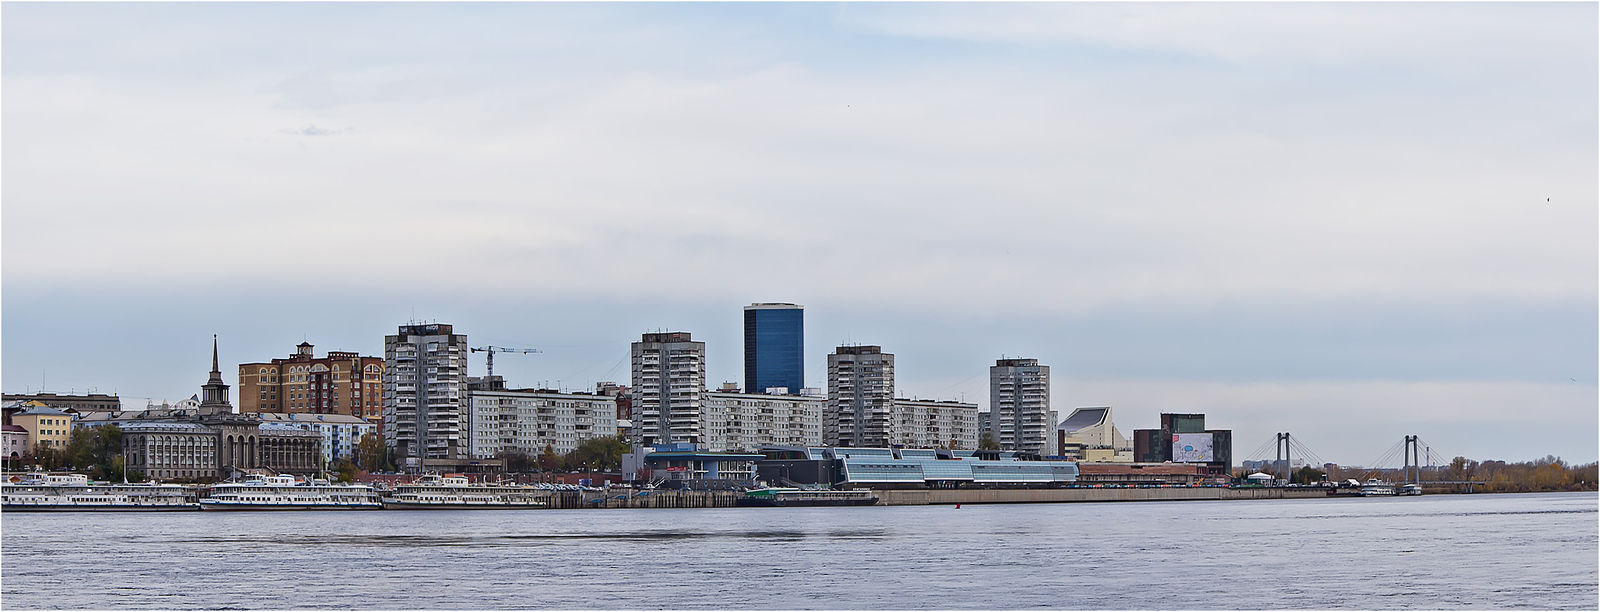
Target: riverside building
916 423
529 420
860 397
93 402
425 396
737 421
669 378
338 383
774 347
1019 406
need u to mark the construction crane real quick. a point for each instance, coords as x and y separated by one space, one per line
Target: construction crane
491 350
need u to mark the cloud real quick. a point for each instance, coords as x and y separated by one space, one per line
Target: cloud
312 130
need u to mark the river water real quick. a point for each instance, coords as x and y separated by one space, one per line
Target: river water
1434 552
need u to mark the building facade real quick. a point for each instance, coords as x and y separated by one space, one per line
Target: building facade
933 424
774 347
669 378
338 383
425 396
93 402
14 445
1019 403
747 421
340 433
530 420
46 426
1089 434
860 397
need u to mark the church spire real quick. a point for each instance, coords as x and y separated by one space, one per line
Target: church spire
216 373
214 394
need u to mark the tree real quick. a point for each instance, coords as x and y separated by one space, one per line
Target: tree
1307 475
372 453
516 461
987 443
347 470
548 460
598 454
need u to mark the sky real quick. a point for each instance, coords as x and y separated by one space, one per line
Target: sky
1351 222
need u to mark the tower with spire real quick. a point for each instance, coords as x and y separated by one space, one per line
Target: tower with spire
214 394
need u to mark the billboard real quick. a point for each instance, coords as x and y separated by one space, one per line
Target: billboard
1191 448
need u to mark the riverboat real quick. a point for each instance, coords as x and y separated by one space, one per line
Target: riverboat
288 493
1411 489
454 492
74 493
1374 487
790 496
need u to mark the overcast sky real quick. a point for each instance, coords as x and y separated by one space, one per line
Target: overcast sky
1351 222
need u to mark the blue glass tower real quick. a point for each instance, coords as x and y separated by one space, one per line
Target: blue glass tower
774 347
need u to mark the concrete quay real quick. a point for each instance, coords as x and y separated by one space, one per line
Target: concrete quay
920 497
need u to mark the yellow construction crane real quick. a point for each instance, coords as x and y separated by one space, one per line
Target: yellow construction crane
491 350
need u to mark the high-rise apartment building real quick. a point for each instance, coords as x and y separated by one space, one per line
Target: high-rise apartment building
1019 406
669 377
774 347
860 396
338 383
425 395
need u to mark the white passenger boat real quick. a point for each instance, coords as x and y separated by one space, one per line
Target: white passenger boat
74 493
1374 487
1411 489
288 493
454 492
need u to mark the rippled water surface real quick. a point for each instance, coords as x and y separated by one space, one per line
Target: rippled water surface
1437 551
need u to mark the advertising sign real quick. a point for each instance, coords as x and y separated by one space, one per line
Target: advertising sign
1191 448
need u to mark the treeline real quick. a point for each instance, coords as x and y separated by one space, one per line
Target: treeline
592 455
1547 474
93 451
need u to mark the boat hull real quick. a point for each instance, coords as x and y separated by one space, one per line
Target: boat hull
108 508
222 506
388 505
770 502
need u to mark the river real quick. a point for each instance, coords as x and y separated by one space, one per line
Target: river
1435 551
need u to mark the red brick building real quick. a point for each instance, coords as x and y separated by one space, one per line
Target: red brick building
339 383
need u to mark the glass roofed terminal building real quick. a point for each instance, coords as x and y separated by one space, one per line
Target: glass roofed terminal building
909 468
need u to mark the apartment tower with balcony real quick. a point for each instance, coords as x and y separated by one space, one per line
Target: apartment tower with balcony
860 397
425 396
1019 406
669 380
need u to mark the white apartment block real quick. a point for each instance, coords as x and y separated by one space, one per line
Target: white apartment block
748 421
341 433
860 397
1019 406
933 424
528 420
425 394
669 378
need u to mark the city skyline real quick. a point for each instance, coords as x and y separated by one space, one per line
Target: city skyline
1358 231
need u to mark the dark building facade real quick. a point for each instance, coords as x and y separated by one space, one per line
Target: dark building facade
93 402
1183 438
774 347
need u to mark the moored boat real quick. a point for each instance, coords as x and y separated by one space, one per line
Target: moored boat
790 496
454 492
75 493
1374 487
288 493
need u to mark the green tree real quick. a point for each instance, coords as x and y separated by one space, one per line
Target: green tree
372 453
598 454
346 469
987 443
1307 475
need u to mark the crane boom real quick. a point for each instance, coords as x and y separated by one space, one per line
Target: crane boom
491 350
